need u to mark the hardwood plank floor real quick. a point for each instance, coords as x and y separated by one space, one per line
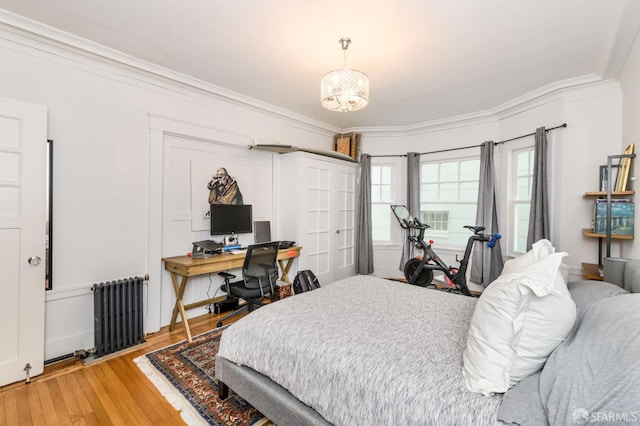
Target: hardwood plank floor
112 391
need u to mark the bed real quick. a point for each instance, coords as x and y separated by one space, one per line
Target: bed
361 325
365 350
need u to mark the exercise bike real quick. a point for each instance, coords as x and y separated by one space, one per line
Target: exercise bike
419 270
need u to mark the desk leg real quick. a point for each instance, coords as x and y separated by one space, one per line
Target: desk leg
285 268
179 306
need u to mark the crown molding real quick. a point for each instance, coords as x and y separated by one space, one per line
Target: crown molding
581 86
543 95
33 34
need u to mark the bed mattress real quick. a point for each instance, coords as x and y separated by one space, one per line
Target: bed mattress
365 350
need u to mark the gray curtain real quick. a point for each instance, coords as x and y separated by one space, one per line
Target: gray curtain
413 202
539 213
364 247
487 262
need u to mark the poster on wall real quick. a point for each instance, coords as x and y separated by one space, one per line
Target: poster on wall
217 181
224 189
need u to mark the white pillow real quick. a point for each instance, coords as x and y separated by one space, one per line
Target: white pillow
539 249
518 321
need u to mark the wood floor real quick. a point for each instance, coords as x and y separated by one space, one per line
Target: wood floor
107 392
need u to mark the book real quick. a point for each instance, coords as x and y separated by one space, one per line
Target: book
623 170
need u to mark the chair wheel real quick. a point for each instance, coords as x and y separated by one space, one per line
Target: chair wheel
219 324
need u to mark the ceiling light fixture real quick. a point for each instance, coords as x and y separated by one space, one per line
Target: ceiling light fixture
345 89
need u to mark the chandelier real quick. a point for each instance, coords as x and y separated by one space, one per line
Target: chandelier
344 89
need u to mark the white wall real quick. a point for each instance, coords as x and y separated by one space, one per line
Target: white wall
99 118
596 134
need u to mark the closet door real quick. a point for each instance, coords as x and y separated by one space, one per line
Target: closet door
344 220
317 228
320 213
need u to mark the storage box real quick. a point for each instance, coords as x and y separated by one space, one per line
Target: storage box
622 215
283 289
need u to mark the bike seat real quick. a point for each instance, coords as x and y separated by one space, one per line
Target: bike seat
475 229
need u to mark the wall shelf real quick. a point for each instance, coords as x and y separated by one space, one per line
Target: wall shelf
592 271
604 193
589 233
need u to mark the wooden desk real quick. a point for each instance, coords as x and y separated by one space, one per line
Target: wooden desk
186 267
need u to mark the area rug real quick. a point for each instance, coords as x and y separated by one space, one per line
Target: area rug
185 375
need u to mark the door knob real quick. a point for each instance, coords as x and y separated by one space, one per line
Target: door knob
34 260
337 231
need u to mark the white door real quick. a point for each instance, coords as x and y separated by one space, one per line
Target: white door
318 233
23 144
327 233
344 221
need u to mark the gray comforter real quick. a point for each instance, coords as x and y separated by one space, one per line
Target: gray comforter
366 351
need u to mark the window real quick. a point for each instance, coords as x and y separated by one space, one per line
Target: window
449 196
382 196
439 221
522 179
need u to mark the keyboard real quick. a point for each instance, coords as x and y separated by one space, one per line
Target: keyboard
285 244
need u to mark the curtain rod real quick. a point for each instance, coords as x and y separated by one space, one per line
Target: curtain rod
563 125
473 146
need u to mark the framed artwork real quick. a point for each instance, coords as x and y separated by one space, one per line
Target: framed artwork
348 144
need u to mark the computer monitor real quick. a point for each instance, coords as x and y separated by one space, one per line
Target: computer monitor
227 219
262 231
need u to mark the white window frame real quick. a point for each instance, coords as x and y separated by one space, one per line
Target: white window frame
507 183
398 188
456 155
513 201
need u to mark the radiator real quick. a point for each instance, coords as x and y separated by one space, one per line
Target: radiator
118 315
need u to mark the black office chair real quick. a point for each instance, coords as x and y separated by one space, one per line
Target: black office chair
259 272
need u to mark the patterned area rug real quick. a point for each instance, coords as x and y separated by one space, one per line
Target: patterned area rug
185 375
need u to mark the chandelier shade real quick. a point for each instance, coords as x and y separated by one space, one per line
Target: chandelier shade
344 89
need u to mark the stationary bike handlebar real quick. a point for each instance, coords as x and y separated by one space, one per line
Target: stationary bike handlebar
414 223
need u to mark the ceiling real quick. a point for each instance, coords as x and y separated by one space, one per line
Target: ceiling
426 59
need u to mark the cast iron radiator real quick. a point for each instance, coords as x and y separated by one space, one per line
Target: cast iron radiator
117 310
